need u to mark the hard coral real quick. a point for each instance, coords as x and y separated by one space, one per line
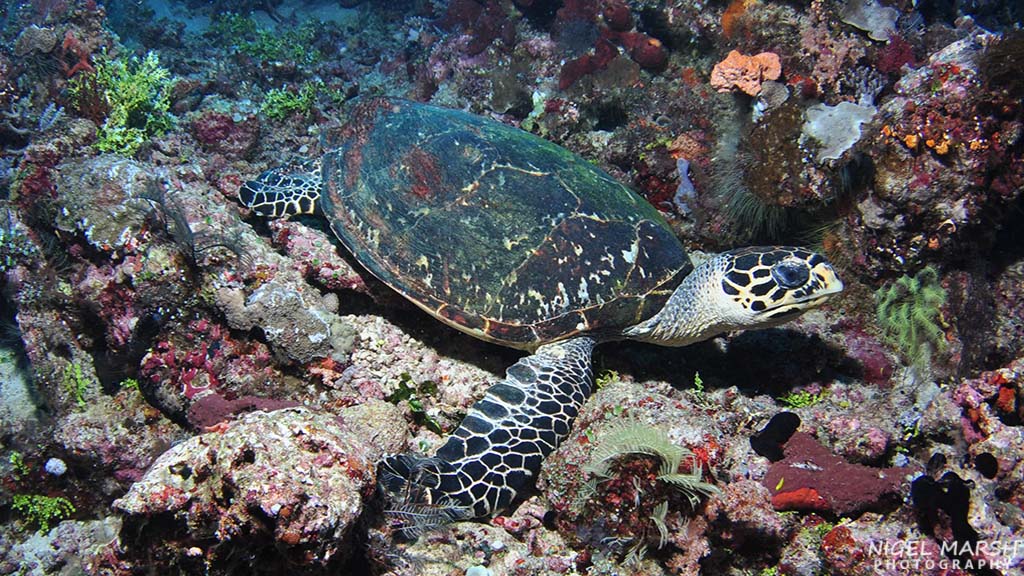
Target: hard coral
949 156
743 516
34 39
991 401
314 256
116 438
1001 63
745 73
576 28
189 362
576 16
291 479
102 200
617 16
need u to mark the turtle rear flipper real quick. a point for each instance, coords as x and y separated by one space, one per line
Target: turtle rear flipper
287 190
497 450
410 483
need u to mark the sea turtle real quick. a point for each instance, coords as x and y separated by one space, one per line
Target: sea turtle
515 240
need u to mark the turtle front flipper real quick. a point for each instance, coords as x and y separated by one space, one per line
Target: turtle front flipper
498 448
284 191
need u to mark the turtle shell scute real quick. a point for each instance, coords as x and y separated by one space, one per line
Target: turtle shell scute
494 230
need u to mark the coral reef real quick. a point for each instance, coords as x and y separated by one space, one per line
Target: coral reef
601 493
129 96
72 546
220 132
18 411
291 325
868 15
836 128
42 510
118 439
938 171
148 322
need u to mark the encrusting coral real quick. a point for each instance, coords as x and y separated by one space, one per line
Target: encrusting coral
745 73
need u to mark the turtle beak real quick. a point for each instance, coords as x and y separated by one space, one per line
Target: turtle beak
824 284
829 283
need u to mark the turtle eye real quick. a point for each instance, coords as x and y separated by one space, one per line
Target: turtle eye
791 273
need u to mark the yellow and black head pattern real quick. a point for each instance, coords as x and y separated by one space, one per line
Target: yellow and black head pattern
774 284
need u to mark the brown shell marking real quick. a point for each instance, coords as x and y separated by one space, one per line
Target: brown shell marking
493 230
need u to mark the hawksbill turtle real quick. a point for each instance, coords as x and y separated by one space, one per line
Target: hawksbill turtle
515 240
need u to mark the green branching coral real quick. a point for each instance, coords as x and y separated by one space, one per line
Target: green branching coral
605 378
18 466
801 399
281 103
413 394
42 510
75 383
134 96
289 44
910 313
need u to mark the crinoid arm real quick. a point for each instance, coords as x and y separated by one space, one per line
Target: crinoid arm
411 483
638 438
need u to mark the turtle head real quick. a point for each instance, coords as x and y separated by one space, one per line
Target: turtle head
755 287
284 191
761 286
